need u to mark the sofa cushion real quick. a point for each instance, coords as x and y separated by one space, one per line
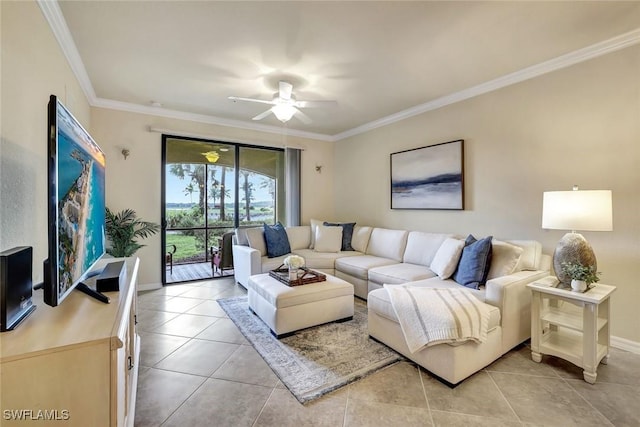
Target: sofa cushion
422 247
504 259
386 243
359 265
255 238
328 239
322 260
475 262
446 258
313 224
299 237
531 254
380 302
277 240
360 238
347 233
241 237
399 273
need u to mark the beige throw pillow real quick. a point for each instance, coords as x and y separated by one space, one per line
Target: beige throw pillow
255 237
504 258
328 239
314 224
446 259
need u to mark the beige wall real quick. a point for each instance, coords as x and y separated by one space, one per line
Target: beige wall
33 67
135 182
580 125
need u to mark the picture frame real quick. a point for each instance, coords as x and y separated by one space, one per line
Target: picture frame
430 177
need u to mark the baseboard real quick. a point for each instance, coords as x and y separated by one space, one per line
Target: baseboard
625 344
149 286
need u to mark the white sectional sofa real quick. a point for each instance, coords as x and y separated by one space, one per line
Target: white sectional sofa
399 257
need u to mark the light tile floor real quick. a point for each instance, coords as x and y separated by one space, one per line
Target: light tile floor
198 370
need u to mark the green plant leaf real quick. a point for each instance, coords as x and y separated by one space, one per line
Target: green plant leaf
123 228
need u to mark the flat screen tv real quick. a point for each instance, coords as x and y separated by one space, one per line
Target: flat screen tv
76 205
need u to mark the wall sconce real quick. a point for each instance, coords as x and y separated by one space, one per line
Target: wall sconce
319 168
125 152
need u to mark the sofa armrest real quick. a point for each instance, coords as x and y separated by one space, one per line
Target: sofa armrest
511 295
246 262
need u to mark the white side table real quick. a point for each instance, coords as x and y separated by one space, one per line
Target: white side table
577 331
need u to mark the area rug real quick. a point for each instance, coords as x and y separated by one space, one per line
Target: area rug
317 360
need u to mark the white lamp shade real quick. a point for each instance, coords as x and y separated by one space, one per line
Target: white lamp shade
283 112
581 210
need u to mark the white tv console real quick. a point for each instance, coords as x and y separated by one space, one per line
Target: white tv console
76 363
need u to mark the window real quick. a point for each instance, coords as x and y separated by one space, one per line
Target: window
212 187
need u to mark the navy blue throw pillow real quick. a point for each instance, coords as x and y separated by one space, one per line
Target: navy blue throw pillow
347 233
474 262
277 240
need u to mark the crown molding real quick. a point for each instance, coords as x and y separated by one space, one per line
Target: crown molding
52 13
602 48
203 118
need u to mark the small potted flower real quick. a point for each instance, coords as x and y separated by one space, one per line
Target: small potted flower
294 262
582 276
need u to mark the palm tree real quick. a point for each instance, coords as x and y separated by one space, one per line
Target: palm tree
196 174
223 192
247 187
189 190
215 184
270 185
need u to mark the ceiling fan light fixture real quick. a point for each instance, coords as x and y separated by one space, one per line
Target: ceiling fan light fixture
283 112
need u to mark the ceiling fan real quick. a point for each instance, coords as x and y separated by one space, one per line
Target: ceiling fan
284 104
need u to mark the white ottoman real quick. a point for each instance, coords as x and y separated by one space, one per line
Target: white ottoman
286 309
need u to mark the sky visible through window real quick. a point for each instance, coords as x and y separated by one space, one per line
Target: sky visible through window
175 189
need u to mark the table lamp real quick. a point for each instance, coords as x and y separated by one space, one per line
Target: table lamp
582 210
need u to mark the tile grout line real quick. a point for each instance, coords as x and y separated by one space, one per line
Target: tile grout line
503 396
424 393
346 406
264 405
566 381
185 400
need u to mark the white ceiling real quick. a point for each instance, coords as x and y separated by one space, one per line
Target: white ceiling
379 60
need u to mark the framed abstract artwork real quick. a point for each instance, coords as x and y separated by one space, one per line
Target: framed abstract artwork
428 177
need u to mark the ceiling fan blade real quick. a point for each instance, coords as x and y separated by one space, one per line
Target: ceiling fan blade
261 101
262 115
285 89
315 104
303 117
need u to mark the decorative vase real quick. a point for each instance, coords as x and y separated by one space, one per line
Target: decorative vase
293 273
578 285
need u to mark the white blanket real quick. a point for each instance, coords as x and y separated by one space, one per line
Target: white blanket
431 316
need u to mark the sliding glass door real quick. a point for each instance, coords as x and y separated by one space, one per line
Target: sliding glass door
261 186
206 196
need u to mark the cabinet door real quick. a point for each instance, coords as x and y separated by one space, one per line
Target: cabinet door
120 378
124 362
70 387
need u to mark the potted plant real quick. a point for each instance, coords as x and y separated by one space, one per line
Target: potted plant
582 276
123 228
